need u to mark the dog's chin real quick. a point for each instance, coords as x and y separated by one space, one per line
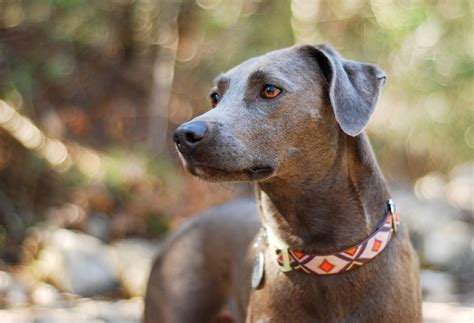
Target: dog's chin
213 173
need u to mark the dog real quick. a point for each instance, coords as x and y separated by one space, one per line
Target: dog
323 243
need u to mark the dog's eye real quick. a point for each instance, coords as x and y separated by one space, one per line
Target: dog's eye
270 92
214 99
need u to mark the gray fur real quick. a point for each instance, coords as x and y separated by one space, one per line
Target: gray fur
354 88
318 187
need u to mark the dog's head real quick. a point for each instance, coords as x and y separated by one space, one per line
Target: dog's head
278 113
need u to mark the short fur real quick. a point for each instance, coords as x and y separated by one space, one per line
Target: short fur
318 187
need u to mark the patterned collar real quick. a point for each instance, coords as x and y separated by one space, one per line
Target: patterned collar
338 262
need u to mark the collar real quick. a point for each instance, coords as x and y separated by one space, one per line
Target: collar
338 262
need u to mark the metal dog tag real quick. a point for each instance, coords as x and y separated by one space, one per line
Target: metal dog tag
258 270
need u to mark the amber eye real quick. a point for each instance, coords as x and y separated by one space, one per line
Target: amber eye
270 92
214 99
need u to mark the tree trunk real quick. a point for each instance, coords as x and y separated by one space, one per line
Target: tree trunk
163 75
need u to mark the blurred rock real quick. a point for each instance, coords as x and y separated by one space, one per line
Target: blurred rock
431 186
460 190
446 244
12 293
442 236
441 232
5 281
437 286
77 263
45 295
68 214
130 311
84 310
133 259
423 214
465 277
439 312
117 311
99 226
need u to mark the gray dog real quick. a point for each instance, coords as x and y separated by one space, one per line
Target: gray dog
327 245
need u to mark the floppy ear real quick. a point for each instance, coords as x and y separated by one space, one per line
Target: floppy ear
354 87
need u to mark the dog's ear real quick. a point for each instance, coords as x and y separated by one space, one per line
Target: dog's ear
354 87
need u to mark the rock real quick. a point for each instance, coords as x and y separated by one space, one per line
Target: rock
82 311
117 311
439 312
442 236
45 295
133 259
430 187
445 245
99 226
14 315
465 277
12 293
461 187
423 214
77 263
437 286
5 283
439 231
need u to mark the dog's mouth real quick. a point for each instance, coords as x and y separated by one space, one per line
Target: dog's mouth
259 170
208 172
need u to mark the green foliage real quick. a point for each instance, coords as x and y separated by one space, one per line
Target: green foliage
76 49
156 225
66 3
3 235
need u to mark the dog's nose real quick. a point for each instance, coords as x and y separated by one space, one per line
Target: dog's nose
188 135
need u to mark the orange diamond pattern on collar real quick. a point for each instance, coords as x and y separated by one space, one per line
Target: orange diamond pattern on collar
298 254
326 266
345 260
351 251
377 244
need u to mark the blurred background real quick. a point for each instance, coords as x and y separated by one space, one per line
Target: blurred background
90 91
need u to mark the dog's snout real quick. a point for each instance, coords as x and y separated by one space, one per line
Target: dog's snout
189 135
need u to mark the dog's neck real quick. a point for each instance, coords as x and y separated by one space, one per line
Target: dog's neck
330 212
